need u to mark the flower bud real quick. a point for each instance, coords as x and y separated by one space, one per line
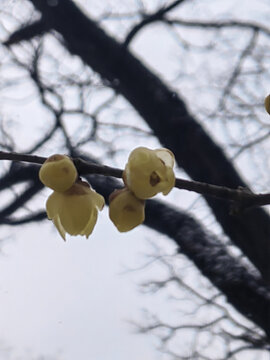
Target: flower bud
267 104
125 210
58 173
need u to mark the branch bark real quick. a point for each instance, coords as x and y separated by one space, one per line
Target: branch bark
27 32
241 198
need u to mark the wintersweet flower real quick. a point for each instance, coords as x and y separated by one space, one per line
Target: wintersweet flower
149 172
58 172
75 210
125 210
267 103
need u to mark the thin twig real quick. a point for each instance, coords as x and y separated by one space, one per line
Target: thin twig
219 24
148 19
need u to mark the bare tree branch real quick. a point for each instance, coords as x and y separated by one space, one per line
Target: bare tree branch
243 198
32 189
27 32
148 19
237 70
248 25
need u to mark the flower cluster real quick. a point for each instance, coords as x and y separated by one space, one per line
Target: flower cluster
147 173
73 206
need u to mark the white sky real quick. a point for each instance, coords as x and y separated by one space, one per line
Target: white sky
72 299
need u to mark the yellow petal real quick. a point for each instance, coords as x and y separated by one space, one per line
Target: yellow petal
59 227
98 200
52 204
91 224
170 181
140 155
166 156
75 213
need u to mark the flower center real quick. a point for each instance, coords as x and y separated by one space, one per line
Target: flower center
154 179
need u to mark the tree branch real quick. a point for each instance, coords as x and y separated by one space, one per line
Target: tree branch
32 189
27 32
220 24
148 19
242 197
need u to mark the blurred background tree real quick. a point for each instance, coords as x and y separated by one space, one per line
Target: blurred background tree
103 78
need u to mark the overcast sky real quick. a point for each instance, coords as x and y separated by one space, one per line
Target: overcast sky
72 299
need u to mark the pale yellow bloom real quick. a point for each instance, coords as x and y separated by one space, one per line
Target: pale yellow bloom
58 172
149 172
75 210
267 104
125 210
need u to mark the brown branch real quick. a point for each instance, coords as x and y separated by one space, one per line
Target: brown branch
242 197
21 157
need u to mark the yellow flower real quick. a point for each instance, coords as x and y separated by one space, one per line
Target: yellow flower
267 104
58 172
149 172
125 210
75 210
